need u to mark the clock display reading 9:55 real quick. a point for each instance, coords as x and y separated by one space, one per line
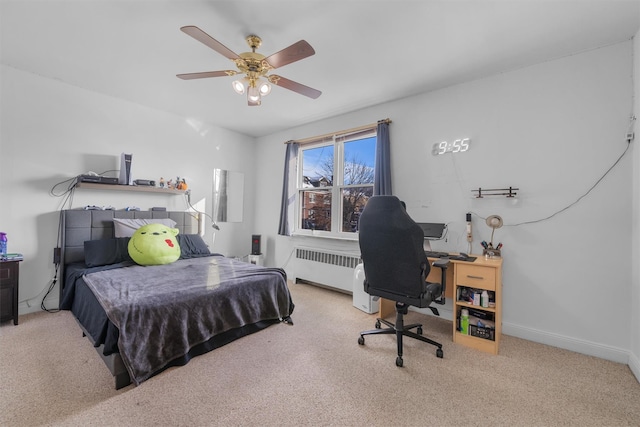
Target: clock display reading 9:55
457 146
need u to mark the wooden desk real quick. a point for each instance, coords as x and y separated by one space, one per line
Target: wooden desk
479 274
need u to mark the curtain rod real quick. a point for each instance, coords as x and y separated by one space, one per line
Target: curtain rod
342 132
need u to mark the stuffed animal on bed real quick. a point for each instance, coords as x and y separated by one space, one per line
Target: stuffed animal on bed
154 244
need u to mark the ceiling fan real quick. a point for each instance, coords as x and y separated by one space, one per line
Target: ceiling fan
256 67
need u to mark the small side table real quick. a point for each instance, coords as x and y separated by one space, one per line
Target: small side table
9 282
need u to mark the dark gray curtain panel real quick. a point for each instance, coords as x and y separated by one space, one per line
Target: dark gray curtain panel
288 190
382 177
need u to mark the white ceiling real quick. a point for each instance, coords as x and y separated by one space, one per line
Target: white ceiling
367 52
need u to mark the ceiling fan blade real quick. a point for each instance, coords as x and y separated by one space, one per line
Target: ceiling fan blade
293 53
206 74
206 39
294 86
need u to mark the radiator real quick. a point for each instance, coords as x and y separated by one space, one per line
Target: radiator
325 268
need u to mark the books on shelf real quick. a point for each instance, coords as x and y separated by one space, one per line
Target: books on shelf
12 257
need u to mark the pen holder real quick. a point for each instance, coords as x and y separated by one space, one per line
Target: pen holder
491 253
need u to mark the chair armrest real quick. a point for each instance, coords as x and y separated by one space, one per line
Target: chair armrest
442 264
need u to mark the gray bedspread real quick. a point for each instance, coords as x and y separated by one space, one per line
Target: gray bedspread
163 311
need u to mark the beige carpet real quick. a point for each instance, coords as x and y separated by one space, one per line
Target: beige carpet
312 373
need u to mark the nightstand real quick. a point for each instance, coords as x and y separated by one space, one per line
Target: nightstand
9 274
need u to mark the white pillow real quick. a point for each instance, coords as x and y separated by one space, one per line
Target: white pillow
125 227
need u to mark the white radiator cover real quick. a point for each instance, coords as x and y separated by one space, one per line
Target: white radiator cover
327 268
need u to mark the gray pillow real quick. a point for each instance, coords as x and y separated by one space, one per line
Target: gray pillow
106 251
125 227
192 246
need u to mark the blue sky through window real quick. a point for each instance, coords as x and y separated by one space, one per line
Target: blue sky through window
315 159
363 150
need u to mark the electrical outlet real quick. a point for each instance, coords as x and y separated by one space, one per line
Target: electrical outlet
56 255
630 136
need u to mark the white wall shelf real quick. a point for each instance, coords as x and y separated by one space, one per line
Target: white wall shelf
138 188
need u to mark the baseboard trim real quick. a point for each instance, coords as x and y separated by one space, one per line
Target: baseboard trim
568 343
33 306
634 365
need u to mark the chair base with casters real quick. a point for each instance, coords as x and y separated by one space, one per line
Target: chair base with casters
400 330
402 308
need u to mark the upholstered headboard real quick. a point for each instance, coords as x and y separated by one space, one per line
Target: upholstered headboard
79 225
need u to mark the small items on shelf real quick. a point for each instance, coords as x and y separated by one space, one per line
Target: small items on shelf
480 298
137 188
11 257
509 192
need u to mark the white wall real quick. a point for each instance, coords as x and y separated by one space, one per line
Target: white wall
552 130
634 358
52 131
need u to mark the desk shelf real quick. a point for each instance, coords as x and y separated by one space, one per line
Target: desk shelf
465 304
484 345
481 274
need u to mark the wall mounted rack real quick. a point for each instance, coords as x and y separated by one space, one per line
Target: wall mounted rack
482 192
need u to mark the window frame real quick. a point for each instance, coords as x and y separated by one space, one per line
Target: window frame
338 142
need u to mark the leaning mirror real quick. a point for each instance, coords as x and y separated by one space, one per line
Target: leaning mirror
228 195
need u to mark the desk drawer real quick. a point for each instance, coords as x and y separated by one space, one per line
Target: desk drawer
477 277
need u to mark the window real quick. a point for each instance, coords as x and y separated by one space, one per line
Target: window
335 181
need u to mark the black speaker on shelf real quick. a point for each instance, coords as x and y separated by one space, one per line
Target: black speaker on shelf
255 244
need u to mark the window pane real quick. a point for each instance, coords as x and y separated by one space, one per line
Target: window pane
354 200
359 161
316 209
317 166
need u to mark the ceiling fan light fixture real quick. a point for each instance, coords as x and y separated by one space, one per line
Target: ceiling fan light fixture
253 95
254 66
264 88
253 101
238 86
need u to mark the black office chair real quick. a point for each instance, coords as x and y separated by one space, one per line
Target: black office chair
396 267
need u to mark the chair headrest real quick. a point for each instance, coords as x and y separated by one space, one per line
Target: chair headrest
391 246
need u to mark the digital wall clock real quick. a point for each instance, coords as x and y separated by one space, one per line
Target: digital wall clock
457 146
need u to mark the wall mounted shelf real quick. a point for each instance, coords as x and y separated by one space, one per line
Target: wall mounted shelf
138 188
508 192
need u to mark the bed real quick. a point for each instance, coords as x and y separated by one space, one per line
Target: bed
145 319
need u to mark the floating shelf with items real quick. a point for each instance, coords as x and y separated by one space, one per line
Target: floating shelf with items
138 188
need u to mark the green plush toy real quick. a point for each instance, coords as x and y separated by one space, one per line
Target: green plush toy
154 244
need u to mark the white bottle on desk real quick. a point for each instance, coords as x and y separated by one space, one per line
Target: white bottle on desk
484 298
